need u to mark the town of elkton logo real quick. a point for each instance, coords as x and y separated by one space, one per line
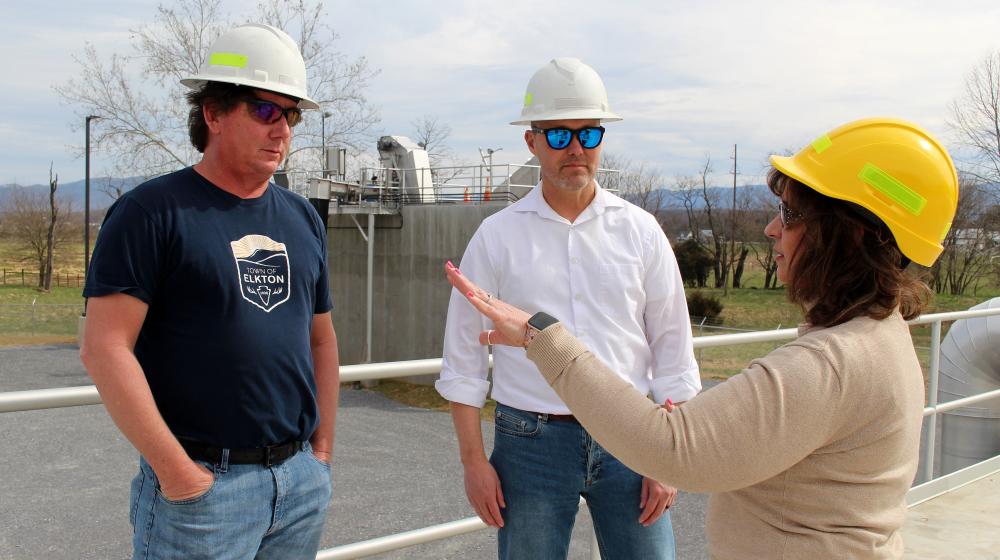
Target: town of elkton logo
262 268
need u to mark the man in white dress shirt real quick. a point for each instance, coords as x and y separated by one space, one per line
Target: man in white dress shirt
604 267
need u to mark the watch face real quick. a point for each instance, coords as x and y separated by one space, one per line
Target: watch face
541 320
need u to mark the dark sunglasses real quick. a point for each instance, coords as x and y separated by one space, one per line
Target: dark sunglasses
266 112
787 215
559 137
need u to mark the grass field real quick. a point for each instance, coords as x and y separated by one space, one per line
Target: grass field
68 259
30 316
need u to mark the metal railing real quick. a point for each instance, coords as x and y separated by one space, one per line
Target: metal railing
80 396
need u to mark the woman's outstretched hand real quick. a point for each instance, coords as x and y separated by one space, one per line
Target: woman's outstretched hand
510 322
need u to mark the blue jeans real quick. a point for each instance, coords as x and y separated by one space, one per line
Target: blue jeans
250 512
544 467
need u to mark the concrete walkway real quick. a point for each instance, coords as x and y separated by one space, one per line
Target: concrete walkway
959 525
66 472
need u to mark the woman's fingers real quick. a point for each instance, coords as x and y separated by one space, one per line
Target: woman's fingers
456 279
509 320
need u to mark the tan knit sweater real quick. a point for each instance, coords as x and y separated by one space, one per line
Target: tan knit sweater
809 452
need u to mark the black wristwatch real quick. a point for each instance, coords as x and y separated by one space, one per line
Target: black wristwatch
536 324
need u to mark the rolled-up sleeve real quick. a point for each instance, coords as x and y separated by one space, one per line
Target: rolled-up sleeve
465 363
668 326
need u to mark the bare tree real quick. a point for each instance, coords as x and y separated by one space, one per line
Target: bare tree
975 115
702 204
37 223
748 232
143 126
970 242
115 187
764 252
639 183
46 279
432 135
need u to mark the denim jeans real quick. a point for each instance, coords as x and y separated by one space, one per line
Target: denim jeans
250 512
544 467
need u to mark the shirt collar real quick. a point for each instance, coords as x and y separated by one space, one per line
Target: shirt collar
535 202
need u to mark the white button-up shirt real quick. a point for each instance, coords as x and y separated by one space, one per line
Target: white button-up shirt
610 277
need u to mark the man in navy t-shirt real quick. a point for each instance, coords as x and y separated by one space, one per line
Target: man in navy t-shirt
209 333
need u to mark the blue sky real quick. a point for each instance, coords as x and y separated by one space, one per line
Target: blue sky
690 78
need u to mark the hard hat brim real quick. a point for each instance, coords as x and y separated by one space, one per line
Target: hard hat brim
197 82
582 114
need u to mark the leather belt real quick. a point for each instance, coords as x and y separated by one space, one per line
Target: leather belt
266 456
559 417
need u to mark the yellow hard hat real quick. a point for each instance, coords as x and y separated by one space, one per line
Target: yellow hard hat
891 167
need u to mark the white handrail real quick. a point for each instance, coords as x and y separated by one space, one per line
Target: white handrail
87 395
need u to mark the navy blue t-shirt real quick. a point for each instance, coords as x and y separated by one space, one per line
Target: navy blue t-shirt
232 286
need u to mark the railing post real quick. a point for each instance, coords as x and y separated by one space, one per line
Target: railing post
701 332
932 401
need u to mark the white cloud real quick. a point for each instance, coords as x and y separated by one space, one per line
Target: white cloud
691 77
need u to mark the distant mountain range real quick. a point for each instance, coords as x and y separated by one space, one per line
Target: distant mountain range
724 196
75 191
100 186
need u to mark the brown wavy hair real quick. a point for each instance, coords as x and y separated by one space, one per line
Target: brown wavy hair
848 264
224 96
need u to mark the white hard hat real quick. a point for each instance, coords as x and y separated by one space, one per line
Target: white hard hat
565 88
257 56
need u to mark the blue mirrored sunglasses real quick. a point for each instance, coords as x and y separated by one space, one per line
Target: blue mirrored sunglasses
267 112
559 137
787 215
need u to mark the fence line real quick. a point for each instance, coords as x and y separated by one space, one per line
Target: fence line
20 277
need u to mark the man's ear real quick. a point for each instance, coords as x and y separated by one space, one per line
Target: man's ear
210 112
529 139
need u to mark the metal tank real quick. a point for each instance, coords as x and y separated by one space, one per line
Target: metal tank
970 364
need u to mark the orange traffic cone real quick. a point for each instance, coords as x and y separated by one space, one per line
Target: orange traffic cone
468 196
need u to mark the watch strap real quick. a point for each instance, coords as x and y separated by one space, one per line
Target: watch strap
536 324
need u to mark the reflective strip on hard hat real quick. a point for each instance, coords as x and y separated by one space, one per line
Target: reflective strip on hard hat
527 99
822 143
228 59
893 188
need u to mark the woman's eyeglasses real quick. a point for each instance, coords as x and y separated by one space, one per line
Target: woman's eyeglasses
559 137
787 215
266 112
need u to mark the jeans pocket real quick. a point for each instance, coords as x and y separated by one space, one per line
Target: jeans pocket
317 460
139 482
516 423
196 499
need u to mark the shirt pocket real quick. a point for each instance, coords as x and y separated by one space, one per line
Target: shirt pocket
622 295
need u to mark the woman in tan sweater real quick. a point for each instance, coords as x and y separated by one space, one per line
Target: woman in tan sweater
810 450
